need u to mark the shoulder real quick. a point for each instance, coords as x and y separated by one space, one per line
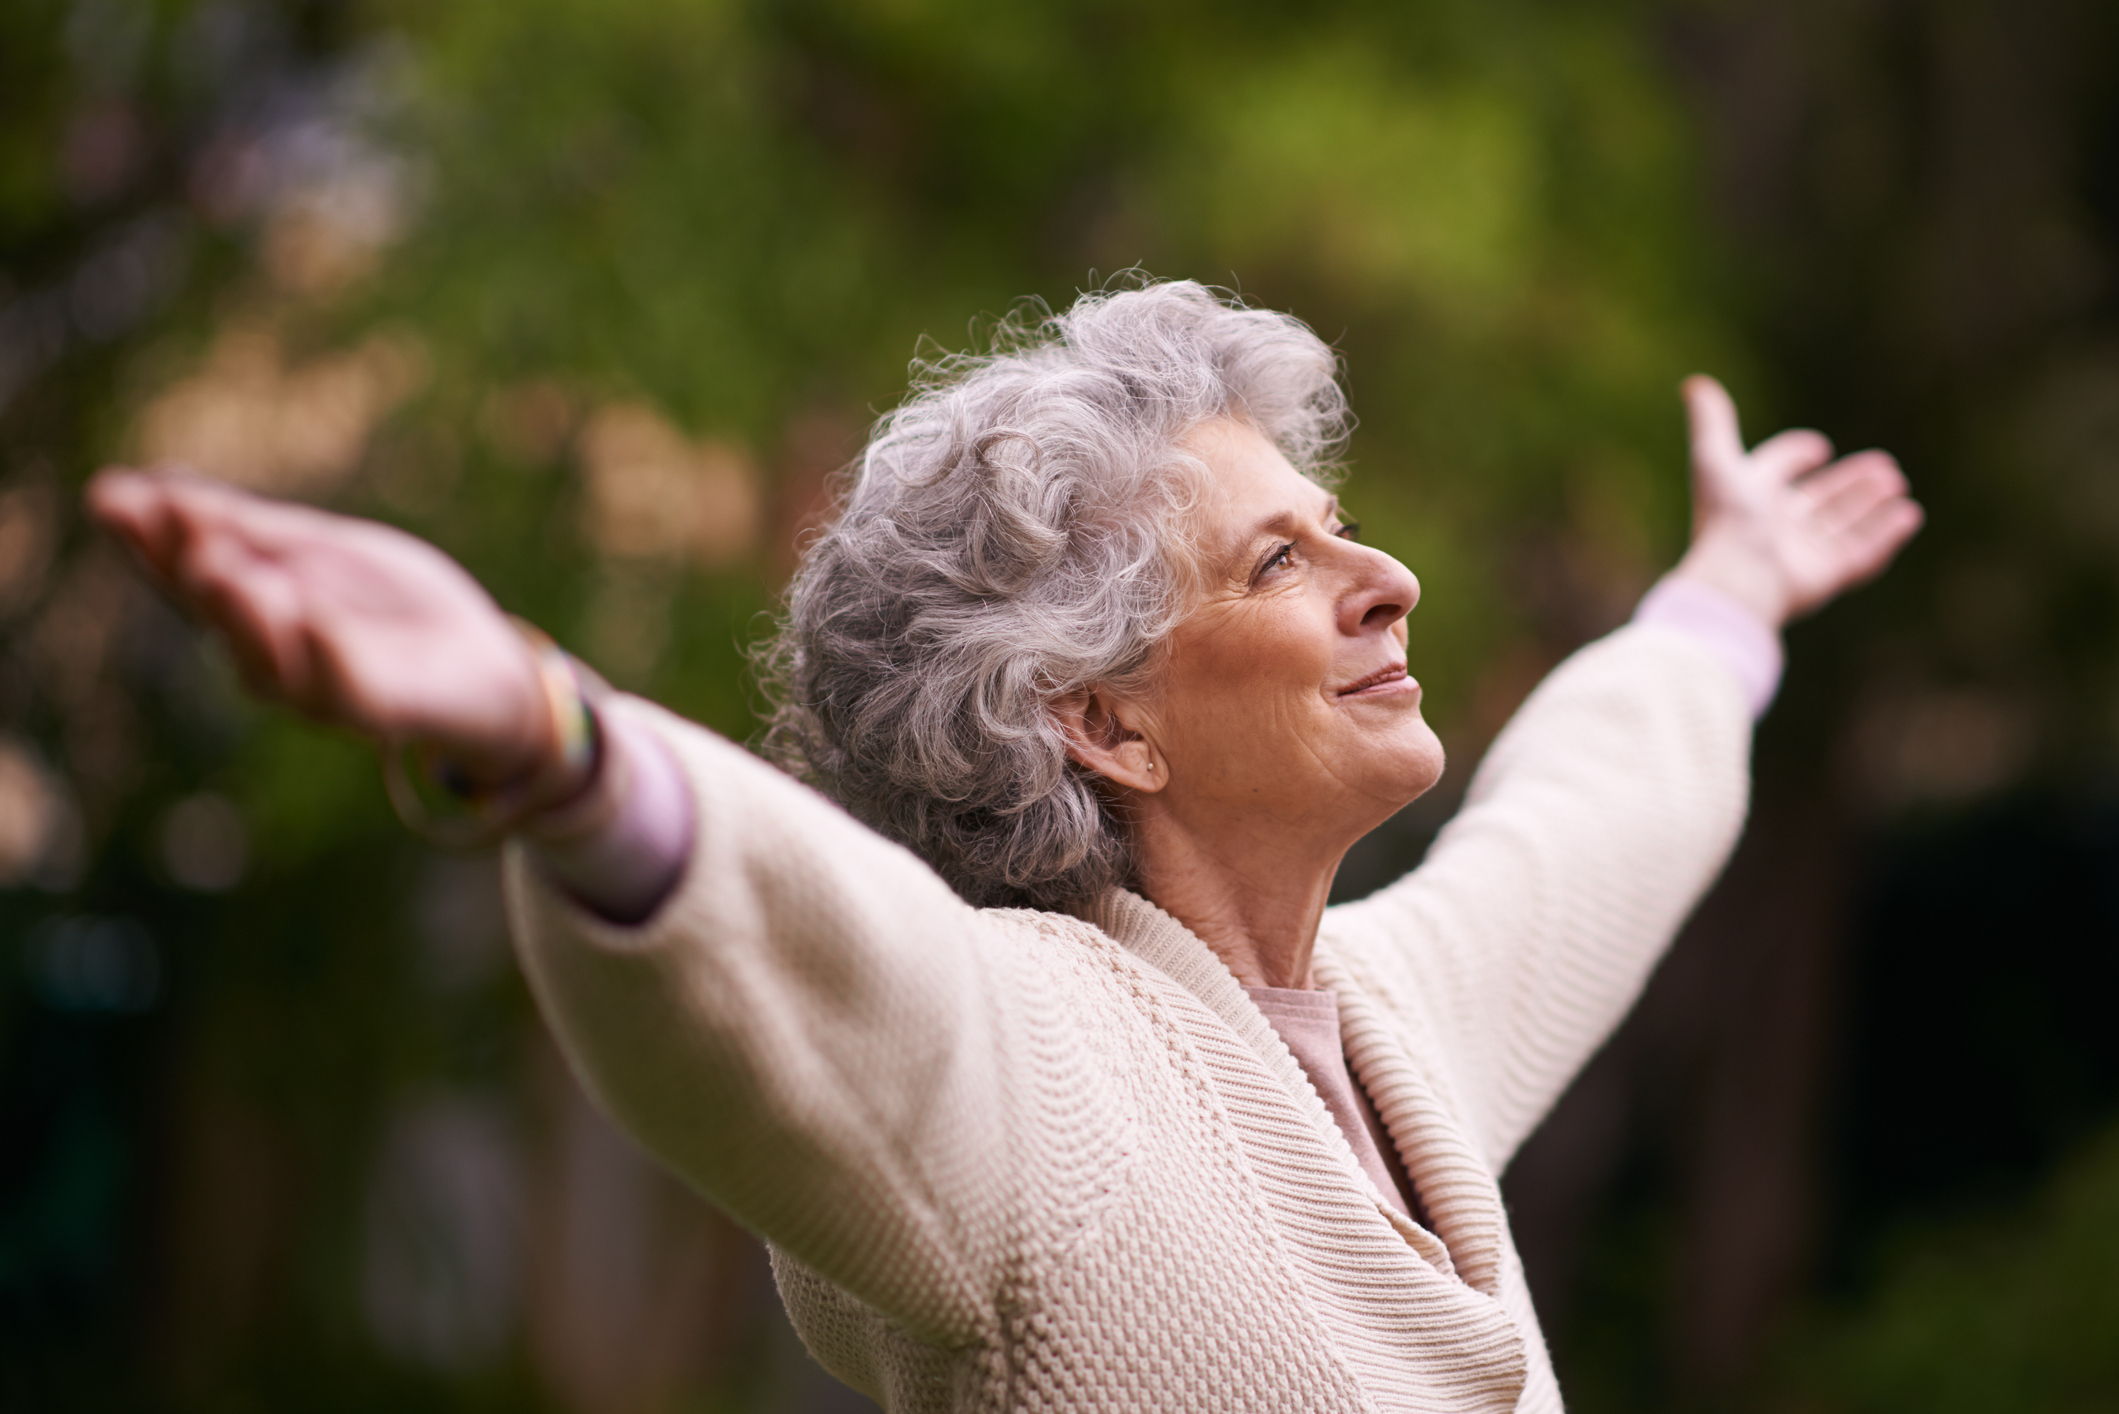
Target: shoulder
1082 960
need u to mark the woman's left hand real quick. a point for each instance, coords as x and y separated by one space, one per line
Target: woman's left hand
356 624
1784 528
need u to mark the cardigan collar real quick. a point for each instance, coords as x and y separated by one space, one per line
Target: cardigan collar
1455 1185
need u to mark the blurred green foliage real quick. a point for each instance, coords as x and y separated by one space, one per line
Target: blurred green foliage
502 273
2013 1311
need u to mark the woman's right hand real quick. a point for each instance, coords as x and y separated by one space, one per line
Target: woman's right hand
351 622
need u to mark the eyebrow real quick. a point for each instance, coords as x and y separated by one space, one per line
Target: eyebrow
1278 522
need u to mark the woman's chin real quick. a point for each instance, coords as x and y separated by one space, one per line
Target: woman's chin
1409 765
1420 781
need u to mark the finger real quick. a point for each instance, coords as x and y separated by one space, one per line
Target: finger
1872 542
1792 454
191 557
269 527
1871 462
121 498
257 607
132 506
1847 492
1716 440
163 514
218 537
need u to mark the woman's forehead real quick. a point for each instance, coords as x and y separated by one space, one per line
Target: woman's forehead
1252 489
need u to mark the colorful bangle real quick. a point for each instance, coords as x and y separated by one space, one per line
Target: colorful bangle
568 690
488 814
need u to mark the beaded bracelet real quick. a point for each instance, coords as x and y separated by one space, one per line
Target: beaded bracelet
491 813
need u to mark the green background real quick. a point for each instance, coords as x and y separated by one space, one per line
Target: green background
301 1143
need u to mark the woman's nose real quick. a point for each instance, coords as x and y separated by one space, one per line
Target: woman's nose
1383 593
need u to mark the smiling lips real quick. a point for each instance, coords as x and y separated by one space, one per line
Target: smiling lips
1383 680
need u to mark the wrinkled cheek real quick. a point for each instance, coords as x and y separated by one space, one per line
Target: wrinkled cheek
1248 749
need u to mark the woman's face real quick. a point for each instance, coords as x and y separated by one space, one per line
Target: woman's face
1286 701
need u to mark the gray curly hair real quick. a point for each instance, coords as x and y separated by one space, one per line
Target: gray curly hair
1014 532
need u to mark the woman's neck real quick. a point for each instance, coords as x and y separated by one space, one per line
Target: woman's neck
1254 898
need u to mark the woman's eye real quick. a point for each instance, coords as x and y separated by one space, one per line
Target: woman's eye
1350 531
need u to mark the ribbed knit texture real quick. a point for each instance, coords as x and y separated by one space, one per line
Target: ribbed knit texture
1019 1160
1307 1023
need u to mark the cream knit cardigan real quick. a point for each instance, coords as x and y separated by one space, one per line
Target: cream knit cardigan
1020 1160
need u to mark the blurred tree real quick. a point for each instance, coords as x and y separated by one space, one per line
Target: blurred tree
596 295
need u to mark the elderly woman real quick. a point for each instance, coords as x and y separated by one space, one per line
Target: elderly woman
1022 1030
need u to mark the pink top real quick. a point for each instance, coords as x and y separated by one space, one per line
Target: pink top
620 848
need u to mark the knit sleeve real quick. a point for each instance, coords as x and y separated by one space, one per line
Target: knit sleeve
1599 817
813 1030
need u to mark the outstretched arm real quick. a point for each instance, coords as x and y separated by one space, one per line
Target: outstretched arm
811 1027
352 623
1609 804
364 627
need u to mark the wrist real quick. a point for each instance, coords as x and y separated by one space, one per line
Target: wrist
621 848
1747 644
574 746
588 808
499 794
1737 574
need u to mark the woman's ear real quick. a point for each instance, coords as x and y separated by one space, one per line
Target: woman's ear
1099 737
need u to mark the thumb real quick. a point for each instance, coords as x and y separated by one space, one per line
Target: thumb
1716 442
